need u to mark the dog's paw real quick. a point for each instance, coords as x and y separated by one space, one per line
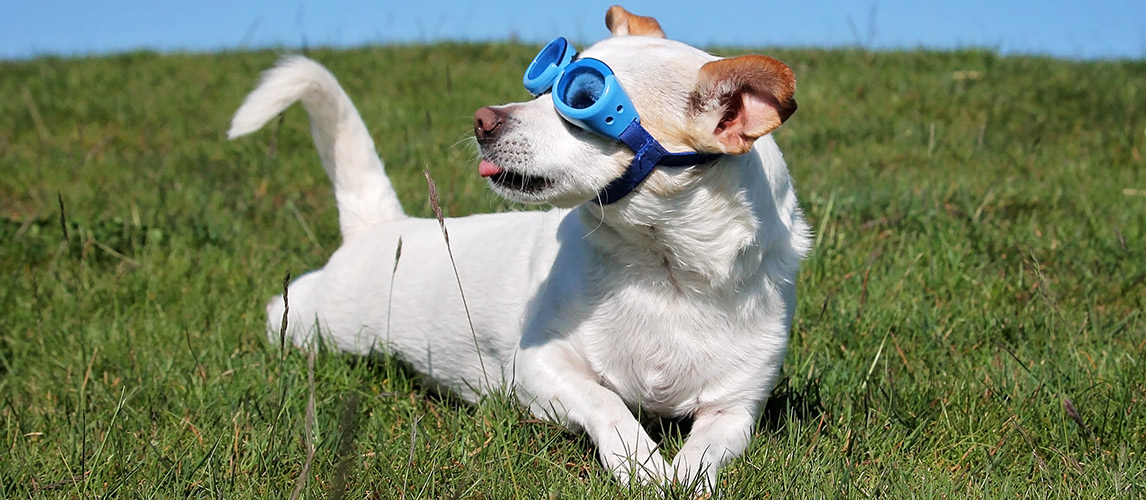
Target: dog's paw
640 463
691 472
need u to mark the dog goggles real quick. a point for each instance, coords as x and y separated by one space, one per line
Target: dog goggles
587 94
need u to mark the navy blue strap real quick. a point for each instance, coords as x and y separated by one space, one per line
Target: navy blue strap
649 154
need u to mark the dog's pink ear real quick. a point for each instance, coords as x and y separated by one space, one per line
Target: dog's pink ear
740 99
622 23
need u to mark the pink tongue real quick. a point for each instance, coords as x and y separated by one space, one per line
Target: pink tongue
487 169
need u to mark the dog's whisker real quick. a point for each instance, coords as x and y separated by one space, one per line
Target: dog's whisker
466 140
600 218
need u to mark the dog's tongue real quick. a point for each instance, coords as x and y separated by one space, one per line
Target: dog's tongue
487 169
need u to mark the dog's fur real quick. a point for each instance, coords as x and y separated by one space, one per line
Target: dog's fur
675 301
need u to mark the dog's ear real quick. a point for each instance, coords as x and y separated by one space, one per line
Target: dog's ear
622 23
740 99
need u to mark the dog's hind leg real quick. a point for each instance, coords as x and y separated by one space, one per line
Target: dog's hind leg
365 196
302 321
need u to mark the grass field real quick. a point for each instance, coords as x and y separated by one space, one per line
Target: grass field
970 322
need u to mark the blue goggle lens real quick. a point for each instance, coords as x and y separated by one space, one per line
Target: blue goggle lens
584 88
547 66
548 55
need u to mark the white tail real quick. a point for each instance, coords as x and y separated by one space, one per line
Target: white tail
364 194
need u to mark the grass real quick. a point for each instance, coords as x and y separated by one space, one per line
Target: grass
970 323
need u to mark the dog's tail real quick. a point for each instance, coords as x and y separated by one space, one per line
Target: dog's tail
364 194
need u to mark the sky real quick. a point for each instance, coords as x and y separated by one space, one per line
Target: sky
1093 29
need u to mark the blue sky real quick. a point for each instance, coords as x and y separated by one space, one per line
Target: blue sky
1075 29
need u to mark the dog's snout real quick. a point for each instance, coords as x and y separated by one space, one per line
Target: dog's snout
488 123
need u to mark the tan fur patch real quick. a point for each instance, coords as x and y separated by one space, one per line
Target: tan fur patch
622 22
744 98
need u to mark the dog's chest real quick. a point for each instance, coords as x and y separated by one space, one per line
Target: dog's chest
670 360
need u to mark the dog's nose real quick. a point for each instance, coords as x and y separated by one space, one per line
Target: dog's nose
487 122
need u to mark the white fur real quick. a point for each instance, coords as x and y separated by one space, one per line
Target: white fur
676 301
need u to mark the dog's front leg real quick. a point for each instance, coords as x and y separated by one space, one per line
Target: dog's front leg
558 384
718 435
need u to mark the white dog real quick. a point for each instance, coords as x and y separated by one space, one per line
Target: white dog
674 300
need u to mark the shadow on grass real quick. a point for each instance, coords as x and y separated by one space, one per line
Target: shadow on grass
389 366
789 403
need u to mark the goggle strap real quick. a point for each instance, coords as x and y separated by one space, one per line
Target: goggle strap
649 154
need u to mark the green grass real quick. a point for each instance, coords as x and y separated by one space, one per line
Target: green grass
979 262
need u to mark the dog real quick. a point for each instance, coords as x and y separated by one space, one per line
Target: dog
673 297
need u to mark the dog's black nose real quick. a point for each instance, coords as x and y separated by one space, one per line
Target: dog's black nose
487 123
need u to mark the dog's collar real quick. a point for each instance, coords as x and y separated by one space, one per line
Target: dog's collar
649 154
